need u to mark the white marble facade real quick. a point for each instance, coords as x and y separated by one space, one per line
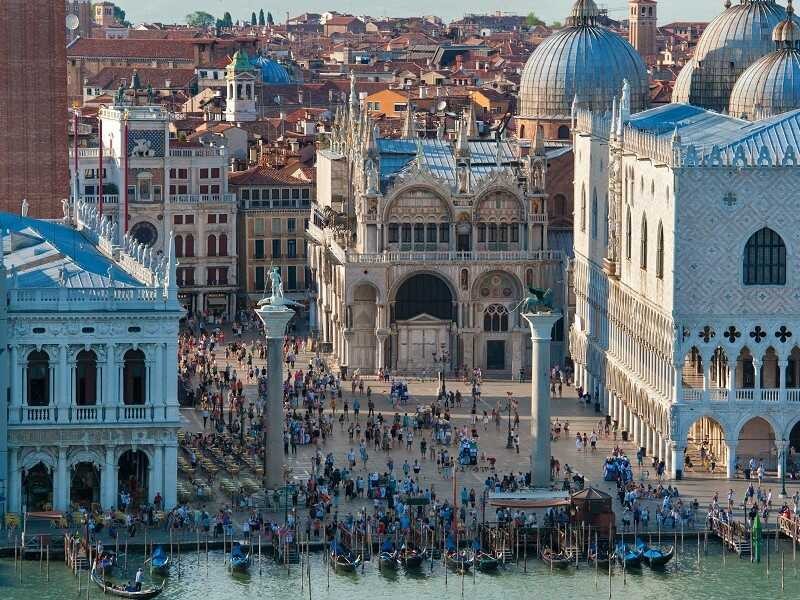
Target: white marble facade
686 288
90 332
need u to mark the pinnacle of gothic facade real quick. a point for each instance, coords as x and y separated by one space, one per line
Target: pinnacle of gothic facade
409 126
472 127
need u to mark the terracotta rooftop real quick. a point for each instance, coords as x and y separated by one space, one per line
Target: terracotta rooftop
261 175
131 48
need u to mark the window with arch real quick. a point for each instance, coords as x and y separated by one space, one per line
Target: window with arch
134 378
660 252
594 215
38 378
643 249
464 279
583 208
211 245
188 246
223 245
495 318
628 235
178 246
765 259
86 378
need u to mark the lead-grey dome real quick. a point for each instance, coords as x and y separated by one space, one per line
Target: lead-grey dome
771 85
731 43
585 60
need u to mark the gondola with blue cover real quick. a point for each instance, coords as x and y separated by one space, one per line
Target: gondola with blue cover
159 560
628 556
343 558
653 556
240 559
388 556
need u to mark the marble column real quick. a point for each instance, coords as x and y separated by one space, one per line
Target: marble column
61 482
380 344
275 319
170 475
731 460
157 475
541 326
14 480
676 460
108 480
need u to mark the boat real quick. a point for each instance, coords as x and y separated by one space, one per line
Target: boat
628 556
119 590
159 560
410 557
388 560
598 555
556 560
343 558
240 560
460 560
486 563
655 557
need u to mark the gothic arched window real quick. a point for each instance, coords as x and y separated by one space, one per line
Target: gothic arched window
643 249
764 259
211 245
660 252
188 249
178 246
583 208
628 235
594 215
495 318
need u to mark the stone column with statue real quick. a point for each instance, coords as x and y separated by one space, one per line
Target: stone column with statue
275 312
537 310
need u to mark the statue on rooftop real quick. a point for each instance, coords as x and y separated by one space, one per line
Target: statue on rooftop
25 207
65 209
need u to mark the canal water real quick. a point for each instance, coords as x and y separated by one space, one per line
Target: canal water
686 578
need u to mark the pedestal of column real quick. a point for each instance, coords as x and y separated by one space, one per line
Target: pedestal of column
676 461
541 325
275 319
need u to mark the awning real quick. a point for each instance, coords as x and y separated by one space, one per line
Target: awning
528 502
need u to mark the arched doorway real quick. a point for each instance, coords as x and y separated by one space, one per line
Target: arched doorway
757 441
133 477
84 487
422 316
37 487
706 449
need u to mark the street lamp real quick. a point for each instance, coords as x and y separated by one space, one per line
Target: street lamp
510 440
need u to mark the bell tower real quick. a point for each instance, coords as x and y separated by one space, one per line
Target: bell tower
642 15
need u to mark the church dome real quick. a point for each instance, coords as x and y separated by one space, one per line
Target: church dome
585 60
271 71
771 85
731 43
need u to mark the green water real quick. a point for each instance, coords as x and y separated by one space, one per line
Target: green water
685 579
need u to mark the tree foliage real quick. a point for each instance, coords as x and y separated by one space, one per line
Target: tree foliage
270 20
119 16
253 18
532 20
261 20
200 19
227 20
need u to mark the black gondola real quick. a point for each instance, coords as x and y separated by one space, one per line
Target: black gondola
628 556
598 555
655 557
556 560
411 557
118 590
486 563
460 560
343 558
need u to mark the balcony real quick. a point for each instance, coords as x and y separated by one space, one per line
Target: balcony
91 153
764 395
202 199
196 152
82 299
453 256
107 199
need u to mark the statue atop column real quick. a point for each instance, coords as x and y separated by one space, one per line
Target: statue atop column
277 299
537 301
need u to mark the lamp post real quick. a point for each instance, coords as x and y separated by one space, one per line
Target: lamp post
510 440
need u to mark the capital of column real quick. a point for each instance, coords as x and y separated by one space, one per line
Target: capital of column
275 319
541 324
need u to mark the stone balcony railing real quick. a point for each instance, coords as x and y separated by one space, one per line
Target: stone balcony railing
453 256
82 299
202 198
107 199
100 414
722 395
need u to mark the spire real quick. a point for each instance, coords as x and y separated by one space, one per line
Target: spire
498 154
462 143
614 110
584 13
409 127
373 133
786 34
171 275
676 136
472 128
353 93
538 141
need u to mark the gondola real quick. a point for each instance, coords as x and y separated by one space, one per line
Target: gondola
598 555
628 556
118 590
556 560
410 557
486 563
343 558
159 560
388 560
460 560
655 557
240 559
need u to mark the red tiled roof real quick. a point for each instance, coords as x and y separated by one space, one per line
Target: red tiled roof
111 77
131 48
261 175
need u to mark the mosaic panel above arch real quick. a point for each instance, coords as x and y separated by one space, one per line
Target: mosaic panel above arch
497 285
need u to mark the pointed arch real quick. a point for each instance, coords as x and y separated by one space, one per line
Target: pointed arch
628 234
643 247
660 252
594 214
583 207
764 260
